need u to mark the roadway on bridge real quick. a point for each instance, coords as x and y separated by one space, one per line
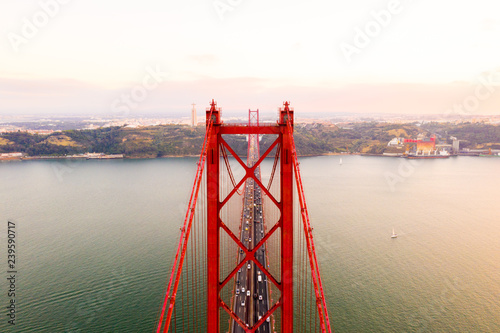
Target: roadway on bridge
251 300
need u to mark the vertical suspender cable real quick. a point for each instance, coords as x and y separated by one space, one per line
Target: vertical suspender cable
170 295
318 285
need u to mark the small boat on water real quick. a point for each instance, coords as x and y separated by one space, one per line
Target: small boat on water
394 235
340 162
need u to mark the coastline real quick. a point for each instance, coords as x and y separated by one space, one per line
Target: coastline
124 157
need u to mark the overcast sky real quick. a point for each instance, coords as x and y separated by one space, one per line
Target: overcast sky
105 57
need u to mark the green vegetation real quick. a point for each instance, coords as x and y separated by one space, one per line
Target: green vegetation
471 135
370 137
179 140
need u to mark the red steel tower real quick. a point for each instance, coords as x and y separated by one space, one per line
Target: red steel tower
223 232
284 204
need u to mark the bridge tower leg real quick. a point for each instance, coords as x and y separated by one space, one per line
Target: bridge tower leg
253 120
213 222
286 219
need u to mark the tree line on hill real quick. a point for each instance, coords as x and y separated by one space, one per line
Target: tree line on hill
180 140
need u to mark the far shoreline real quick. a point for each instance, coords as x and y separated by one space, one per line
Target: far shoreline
47 158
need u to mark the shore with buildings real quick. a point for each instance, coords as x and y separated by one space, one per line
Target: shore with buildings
88 156
312 139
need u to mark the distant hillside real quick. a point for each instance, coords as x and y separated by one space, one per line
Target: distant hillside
317 139
180 140
471 135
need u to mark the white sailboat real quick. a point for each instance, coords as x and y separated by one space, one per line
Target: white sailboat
394 235
340 162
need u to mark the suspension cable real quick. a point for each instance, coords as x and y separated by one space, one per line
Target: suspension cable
318 285
170 296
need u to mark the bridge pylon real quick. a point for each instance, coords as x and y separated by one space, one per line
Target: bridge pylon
242 223
215 204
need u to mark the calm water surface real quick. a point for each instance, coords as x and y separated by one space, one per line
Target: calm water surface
95 241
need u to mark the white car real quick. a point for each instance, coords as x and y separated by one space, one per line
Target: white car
243 303
242 289
248 292
260 297
248 266
268 319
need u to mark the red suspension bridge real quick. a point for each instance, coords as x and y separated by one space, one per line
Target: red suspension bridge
246 260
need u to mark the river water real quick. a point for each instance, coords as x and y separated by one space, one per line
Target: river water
94 240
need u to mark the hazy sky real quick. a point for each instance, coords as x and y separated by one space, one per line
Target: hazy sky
105 57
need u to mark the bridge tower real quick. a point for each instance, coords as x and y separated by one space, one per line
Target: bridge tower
215 203
237 227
